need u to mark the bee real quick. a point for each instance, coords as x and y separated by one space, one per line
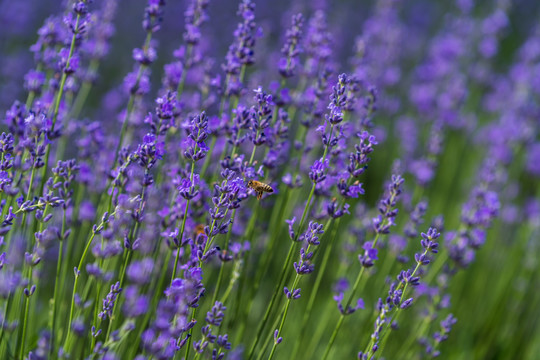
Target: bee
259 188
199 230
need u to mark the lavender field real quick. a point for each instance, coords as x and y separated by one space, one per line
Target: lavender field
240 179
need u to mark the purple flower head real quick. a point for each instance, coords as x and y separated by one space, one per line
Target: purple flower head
294 294
350 309
149 151
108 302
338 100
291 228
291 50
277 339
197 133
369 256
387 205
341 285
145 57
33 81
428 240
216 314
195 15
481 209
446 327
334 211
310 236
186 188
137 85
317 171
164 116
187 291
153 15
241 51
423 170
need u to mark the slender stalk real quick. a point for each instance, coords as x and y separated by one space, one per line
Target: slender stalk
181 235
222 265
206 248
25 322
122 278
77 275
342 315
59 95
56 297
131 103
396 313
349 302
285 311
262 324
316 285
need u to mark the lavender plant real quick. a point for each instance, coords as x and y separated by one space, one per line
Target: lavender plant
132 221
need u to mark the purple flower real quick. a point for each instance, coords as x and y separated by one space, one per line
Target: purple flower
109 301
387 205
241 51
317 173
370 254
291 50
197 133
291 228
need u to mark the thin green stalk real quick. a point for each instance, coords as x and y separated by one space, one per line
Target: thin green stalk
221 109
188 345
222 265
314 292
181 235
285 311
122 278
262 324
59 95
269 338
206 248
131 103
420 331
27 300
77 275
272 300
250 231
342 315
56 297
397 312
25 322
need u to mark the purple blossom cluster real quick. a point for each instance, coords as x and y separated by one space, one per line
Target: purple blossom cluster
172 203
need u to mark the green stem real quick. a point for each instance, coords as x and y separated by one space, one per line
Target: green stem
181 235
56 298
57 103
342 315
122 278
398 309
77 275
286 310
25 322
131 103
315 290
262 324
222 265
